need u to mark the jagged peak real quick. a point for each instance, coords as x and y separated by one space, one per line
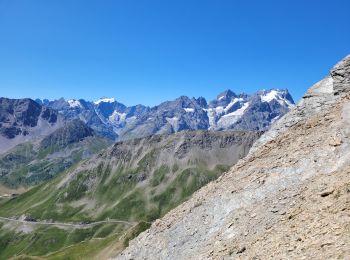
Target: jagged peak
276 94
227 94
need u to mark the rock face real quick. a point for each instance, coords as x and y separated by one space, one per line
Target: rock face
288 199
39 160
94 115
228 111
341 76
72 132
23 120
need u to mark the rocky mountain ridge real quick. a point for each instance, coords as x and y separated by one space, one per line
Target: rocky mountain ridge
24 120
289 198
228 111
42 159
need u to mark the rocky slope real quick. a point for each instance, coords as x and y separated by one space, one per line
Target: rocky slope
228 111
288 199
133 182
33 162
24 120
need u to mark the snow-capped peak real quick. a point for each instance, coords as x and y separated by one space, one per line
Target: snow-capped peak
278 95
227 94
105 100
74 103
269 96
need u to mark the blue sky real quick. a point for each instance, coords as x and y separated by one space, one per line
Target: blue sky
148 51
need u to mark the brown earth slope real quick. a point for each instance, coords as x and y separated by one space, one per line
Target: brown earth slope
288 199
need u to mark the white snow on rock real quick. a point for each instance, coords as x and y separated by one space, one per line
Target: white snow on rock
222 97
173 121
74 103
231 118
275 95
219 110
105 100
234 101
268 97
117 117
211 116
225 119
189 110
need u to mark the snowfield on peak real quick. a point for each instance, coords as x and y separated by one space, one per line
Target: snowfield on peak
74 103
226 120
189 110
277 95
233 102
117 117
104 100
270 96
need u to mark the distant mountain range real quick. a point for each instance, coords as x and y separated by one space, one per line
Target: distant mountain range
228 111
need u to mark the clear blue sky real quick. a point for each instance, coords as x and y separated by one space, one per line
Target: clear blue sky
148 51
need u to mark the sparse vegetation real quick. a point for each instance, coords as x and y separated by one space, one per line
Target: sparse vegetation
138 191
26 166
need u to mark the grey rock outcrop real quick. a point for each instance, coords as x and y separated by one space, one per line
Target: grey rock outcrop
72 132
341 76
23 120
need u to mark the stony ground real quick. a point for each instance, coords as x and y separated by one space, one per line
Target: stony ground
288 199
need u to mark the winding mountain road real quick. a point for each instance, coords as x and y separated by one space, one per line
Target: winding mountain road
74 225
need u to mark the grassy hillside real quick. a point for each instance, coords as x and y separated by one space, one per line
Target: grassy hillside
135 181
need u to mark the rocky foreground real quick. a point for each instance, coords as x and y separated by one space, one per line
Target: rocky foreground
288 199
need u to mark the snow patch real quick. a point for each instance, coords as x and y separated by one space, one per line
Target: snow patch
234 101
238 112
117 117
173 121
268 97
189 110
231 118
74 103
219 110
104 100
276 95
211 116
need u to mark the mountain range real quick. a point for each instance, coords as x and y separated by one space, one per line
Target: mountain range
228 111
